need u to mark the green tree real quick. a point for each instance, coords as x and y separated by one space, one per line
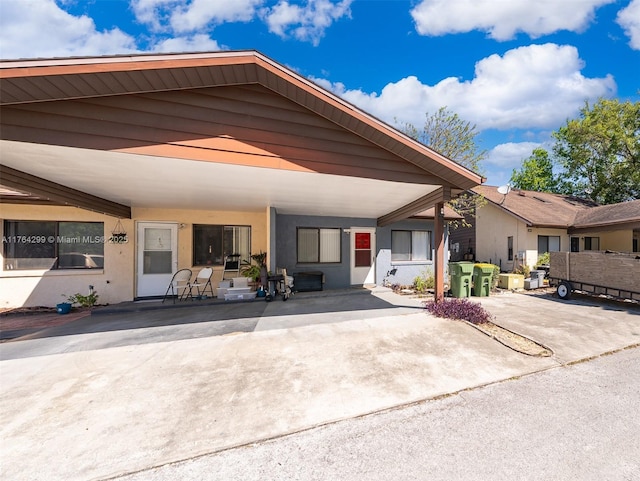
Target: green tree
446 133
536 173
600 152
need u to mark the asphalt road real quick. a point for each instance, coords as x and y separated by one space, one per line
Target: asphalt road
577 422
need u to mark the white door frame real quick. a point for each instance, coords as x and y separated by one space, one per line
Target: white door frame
362 275
149 285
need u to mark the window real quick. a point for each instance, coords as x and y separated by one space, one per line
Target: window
592 243
53 245
548 243
410 245
510 248
575 244
319 245
212 243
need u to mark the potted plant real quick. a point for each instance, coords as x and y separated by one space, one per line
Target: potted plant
252 271
64 307
89 300
257 271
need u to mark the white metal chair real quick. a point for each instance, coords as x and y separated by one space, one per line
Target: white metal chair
203 280
179 286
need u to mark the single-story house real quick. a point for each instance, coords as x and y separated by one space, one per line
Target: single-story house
117 171
513 229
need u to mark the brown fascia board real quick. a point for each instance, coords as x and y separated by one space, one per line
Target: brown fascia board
121 63
60 194
605 227
331 106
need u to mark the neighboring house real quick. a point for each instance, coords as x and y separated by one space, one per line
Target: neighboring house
196 156
514 229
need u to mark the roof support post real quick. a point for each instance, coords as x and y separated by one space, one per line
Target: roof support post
439 252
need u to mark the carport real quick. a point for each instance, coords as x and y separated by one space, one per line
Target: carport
169 138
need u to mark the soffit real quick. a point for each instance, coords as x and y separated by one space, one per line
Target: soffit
159 182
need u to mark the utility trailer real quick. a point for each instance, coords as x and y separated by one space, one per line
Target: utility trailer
612 274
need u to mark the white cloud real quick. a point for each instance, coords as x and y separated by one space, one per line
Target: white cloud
39 28
629 19
503 19
190 16
154 13
538 86
196 43
510 155
306 23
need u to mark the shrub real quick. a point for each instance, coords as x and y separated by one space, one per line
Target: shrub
84 301
523 269
425 281
461 308
495 277
544 259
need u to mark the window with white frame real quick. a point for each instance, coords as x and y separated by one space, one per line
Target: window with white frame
318 245
53 245
510 248
212 243
410 245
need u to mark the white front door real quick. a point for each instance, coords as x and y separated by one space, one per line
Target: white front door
363 255
157 257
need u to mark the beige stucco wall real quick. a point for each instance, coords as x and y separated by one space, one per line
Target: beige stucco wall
116 282
532 242
494 226
619 241
186 218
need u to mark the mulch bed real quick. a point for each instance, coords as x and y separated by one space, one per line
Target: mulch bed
37 318
513 340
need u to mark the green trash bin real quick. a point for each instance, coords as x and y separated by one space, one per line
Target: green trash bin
482 279
460 273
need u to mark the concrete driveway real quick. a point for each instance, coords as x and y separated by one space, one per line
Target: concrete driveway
576 329
124 392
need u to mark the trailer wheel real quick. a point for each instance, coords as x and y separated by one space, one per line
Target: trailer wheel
564 290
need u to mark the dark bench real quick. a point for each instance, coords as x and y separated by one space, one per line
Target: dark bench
308 281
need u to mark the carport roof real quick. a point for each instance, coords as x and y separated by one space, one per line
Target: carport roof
25 82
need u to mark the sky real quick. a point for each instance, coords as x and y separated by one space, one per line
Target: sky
516 69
